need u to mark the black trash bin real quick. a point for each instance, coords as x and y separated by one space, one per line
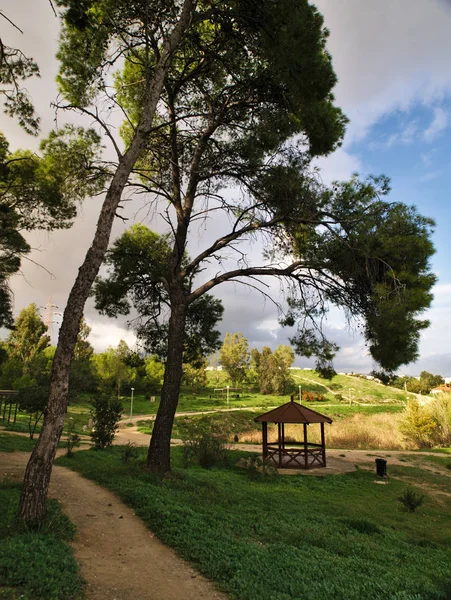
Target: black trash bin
381 467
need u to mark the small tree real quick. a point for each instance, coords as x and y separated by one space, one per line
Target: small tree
112 367
106 412
273 368
430 381
195 376
33 400
234 357
28 338
82 376
154 370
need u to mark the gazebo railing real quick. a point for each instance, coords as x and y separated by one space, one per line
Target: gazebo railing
296 455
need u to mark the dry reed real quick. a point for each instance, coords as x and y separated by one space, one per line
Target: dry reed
361 432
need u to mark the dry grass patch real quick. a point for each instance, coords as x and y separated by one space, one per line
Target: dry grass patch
362 432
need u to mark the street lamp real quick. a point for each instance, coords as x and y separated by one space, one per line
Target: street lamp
131 405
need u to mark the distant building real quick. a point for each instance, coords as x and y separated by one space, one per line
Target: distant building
441 389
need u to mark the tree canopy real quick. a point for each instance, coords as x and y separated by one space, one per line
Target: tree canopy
29 337
272 368
138 265
42 191
16 67
234 357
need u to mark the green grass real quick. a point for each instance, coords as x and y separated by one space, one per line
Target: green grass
15 443
350 387
441 450
235 421
442 461
249 399
286 538
36 564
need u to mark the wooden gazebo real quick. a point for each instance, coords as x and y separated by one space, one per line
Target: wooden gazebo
293 455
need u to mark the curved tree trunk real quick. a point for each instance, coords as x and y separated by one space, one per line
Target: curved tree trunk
158 458
32 505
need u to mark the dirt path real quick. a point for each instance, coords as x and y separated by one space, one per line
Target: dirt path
119 557
338 461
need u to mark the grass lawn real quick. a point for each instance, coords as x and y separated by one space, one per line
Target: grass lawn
286 538
12 443
36 564
352 387
247 398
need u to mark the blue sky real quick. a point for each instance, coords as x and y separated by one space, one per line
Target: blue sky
392 59
413 148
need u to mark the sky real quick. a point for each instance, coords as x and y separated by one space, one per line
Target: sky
392 59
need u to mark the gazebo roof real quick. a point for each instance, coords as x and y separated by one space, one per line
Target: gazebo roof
293 412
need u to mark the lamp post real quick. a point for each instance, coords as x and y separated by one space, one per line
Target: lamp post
228 401
131 405
300 394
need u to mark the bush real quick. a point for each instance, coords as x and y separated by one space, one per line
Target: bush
256 467
313 397
33 400
429 425
106 412
411 499
206 444
73 439
440 410
129 452
418 425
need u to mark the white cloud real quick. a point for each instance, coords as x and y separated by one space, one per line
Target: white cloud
339 166
388 56
439 123
108 334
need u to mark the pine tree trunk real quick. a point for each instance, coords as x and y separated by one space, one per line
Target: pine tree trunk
32 505
158 458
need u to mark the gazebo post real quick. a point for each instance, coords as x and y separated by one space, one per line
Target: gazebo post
287 456
279 429
323 444
305 446
265 440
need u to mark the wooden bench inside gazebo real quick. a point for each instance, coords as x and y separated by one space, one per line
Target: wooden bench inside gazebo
293 455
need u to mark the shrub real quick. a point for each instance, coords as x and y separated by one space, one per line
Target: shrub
73 439
256 467
418 425
129 452
206 443
440 410
313 396
411 499
33 400
106 412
